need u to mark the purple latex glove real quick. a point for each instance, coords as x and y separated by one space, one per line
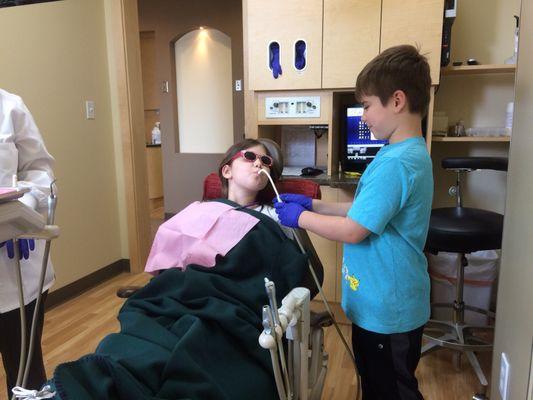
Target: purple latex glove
274 64
299 59
304 201
289 213
25 246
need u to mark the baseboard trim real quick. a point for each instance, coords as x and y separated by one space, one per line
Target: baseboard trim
74 289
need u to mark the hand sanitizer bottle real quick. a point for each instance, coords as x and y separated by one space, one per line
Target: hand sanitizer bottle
156 134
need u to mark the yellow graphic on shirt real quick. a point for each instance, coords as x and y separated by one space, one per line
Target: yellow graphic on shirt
352 280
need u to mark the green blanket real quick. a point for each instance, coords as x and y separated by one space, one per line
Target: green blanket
193 334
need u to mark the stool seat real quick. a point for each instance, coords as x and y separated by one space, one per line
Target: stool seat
464 230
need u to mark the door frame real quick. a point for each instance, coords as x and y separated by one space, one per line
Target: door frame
126 63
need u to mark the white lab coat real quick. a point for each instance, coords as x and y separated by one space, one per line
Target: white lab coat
22 152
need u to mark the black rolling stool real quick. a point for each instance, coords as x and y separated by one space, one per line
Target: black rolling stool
463 230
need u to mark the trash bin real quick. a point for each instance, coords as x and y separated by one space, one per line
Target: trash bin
479 282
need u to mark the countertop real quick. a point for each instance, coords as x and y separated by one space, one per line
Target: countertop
338 180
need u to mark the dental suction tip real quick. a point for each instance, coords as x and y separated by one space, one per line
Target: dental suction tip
271 182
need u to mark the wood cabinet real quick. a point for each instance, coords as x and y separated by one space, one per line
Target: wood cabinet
284 22
327 251
330 252
155 172
416 22
350 40
342 36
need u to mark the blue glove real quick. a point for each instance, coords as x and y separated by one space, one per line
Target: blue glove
25 246
273 62
299 60
304 201
289 213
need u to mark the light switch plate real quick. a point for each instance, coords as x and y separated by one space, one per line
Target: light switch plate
89 109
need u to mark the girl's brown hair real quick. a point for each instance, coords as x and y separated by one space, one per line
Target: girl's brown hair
227 160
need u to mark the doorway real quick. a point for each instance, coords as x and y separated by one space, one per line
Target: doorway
197 124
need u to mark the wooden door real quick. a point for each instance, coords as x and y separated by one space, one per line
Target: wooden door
416 22
350 40
284 22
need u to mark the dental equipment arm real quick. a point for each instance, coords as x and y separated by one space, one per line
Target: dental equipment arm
18 221
50 232
271 293
268 340
293 317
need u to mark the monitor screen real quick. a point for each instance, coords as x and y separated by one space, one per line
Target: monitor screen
360 145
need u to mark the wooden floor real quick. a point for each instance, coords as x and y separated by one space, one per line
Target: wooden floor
75 328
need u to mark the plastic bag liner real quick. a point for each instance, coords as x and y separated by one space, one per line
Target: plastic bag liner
482 268
479 281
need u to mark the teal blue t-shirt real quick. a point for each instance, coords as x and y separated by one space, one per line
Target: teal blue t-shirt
385 283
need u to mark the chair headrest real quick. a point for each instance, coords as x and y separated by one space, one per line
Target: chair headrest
213 188
473 163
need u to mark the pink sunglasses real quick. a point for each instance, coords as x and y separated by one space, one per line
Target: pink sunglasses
251 157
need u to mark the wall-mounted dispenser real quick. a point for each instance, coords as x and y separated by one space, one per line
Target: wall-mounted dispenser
300 55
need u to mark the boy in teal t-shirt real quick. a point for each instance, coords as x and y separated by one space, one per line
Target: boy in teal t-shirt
385 288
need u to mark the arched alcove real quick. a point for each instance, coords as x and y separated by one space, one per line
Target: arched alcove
204 91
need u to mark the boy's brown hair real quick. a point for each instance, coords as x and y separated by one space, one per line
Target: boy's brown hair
397 68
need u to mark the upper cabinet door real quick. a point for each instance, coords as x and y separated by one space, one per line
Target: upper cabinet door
351 40
417 22
296 27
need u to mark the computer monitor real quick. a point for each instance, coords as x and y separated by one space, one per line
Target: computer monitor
359 146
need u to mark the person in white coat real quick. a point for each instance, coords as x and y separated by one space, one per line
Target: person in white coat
22 153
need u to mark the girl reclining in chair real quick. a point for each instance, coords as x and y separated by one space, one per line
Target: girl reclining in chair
204 230
192 333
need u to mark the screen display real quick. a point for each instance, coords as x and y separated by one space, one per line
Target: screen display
361 144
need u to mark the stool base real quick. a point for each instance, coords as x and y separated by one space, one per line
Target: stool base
459 337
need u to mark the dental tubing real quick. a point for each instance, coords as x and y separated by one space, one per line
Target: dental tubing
26 355
271 182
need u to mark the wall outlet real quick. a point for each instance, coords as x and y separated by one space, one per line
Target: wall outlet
505 370
90 110
238 85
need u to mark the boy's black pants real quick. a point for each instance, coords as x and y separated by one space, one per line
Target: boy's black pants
10 346
387 363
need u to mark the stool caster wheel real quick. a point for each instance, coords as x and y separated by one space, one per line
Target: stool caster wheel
482 394
457 361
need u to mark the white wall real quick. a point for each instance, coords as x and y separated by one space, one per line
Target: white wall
54 55
484 30
514 315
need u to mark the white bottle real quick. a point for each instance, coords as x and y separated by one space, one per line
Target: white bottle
512 59
156 134
509 118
